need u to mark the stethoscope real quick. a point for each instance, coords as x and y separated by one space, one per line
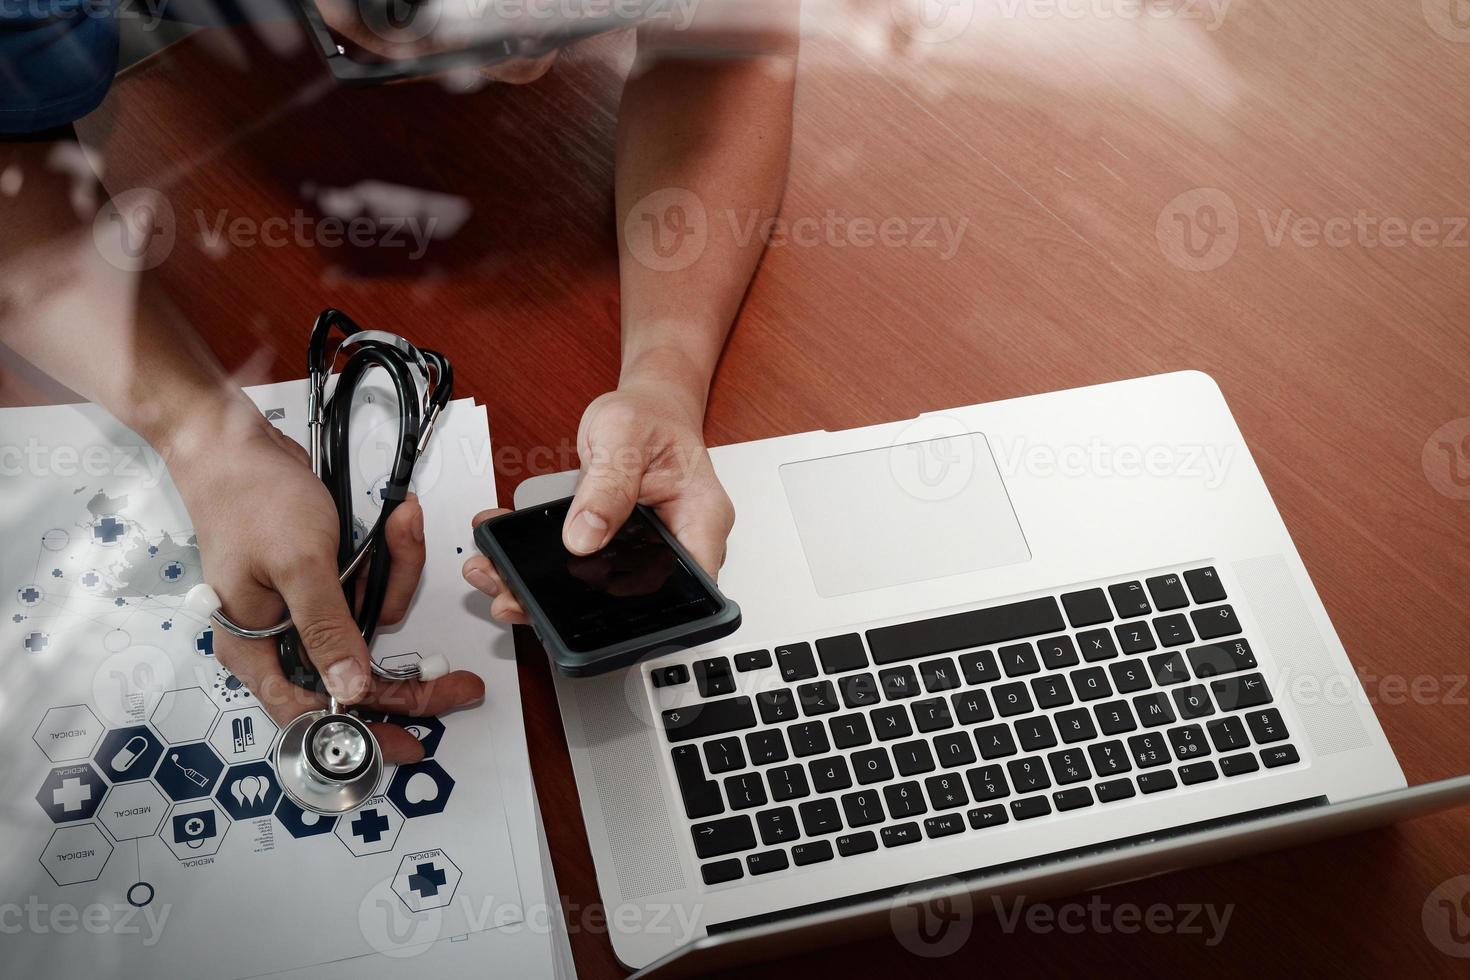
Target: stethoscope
327 760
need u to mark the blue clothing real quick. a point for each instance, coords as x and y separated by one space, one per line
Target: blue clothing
57 59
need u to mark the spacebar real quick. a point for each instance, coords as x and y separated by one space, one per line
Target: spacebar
708 718
960 631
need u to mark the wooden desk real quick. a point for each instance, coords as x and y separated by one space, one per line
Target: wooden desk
1061 142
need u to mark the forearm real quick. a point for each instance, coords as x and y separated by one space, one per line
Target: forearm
717 132
106 333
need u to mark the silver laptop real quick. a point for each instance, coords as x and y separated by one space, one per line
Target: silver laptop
1026 647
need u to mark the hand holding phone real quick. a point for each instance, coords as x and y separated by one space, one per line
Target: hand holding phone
641 594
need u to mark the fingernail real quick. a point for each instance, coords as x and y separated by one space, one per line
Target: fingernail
485 583
417 528
346 681
586 533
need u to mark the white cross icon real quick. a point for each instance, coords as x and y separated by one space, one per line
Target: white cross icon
71 794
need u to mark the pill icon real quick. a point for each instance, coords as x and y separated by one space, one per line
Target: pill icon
129 753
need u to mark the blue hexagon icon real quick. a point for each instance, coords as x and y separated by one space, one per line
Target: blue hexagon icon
128 754
187 772
429 731
249 791
302 823
420 788
71 793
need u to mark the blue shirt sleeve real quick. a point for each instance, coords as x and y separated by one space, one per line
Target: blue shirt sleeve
57 59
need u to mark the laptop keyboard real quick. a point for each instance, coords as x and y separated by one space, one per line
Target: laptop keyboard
957 723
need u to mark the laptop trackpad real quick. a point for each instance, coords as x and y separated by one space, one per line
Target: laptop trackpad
902 514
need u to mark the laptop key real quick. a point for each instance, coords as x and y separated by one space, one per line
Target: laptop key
859 690
971 707
1076 726
962 631
987 783
1167 592
891 722
859 843
1032 806
1012 699
987 816
1173 631
714 677
1057 653
946 791
1072 799
850 731
840 654
1149 750
670 675
899 682
872 766
812 852
900 834
829 774
777 826
932 715
1197 772
754 660
1279 755
1097 645
1243 691
1168 668
1227 734
1204 585
1221 658
1069 766
944 825
1086 608
766 862
1153 709
1129 599
1215 622
1091 683
1114 790
1193 701
979 667
724 754
745 791
701 795
776 706
1028 775
1188 742
939 675
796 662
1266 726
1114 717
913 757
904 799
819 817
1129 676
862 808
724 836
1018 659
719 872
1156 782
708 718
1035 733
1135 637
954 749
808 738
787 783
1109 758
995 741
1051 691
817 698
1239 765
766 746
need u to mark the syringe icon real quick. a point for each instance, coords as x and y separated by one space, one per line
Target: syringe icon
193 775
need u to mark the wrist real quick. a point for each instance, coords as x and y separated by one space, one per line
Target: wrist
672 373
214 424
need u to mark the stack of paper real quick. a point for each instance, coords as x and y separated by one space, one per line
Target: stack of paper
146 834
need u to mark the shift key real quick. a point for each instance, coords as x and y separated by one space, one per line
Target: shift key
708 718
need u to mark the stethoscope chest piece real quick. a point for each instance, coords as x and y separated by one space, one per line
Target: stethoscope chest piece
328 763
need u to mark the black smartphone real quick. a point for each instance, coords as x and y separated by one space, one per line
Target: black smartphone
641 594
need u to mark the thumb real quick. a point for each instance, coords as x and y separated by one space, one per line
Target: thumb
604 499
331 638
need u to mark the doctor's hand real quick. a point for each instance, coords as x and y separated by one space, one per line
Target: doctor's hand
640 444
267 533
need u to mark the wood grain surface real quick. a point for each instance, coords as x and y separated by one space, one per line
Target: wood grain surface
1058 140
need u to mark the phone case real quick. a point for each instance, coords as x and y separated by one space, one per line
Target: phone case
610 658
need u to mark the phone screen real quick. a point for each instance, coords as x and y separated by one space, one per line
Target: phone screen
635 586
